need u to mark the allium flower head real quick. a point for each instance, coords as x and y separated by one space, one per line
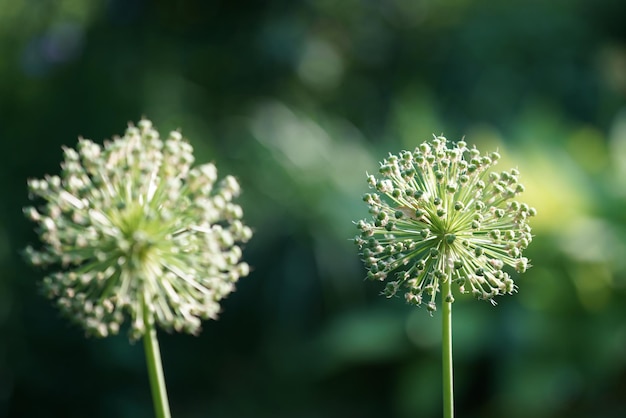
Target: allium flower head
440 213
132 230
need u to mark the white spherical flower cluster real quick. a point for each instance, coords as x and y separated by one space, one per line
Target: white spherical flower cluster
440 213
138 232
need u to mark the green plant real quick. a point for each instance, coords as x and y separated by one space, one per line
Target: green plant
137 232
442 218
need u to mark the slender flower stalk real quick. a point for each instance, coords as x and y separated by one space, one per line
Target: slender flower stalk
131 230
446 354
443 220
155 369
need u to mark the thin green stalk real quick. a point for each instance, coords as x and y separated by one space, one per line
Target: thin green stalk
155 368
446 351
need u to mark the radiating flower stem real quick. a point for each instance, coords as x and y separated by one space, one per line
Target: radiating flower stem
441 216
446 352
155 368
135 231
133 219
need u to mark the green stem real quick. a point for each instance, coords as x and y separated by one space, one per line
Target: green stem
155 368
446 350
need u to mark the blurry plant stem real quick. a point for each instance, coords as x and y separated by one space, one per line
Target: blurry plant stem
446 351
155 368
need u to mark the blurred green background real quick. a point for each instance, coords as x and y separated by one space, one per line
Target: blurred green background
298 99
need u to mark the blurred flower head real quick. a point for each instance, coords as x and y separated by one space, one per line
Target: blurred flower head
132 230
440 213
